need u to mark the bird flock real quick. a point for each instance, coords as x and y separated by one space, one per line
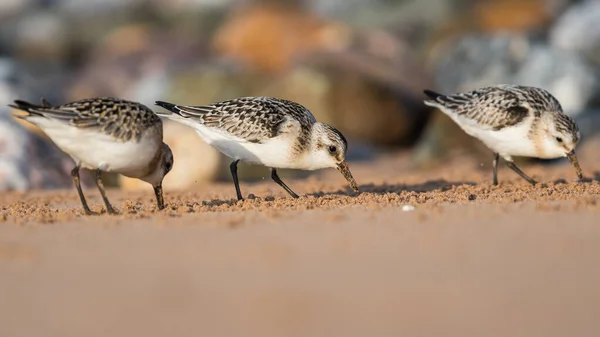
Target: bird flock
115 135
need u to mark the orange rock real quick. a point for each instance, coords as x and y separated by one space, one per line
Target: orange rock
270 36
124 41
515 15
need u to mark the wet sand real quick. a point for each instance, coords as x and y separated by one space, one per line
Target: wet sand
471 259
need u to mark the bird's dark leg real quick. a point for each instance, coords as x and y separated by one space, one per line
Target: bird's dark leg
278 180
495 164
519 172
100 185
233 168
76 181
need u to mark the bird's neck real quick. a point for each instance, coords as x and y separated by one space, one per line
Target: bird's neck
152 173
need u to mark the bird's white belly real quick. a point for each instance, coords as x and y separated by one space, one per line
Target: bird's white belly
275 152
510 141
96 150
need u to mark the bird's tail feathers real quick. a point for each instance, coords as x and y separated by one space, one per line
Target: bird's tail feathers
25 106
166 105
434 96
183 111
451 102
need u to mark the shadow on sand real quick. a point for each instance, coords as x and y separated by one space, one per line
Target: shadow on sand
428 186
595 177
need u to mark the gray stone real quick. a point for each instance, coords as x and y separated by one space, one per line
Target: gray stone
41 35
569 77
578 30
480 60
12 7
383 13
14 171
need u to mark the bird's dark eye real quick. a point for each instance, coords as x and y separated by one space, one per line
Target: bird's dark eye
558 139
332 149
169 166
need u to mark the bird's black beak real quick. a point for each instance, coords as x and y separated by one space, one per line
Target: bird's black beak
343 168
159 197
573 159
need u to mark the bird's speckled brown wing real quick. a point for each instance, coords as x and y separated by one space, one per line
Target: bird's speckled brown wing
124 120
253 119
497 107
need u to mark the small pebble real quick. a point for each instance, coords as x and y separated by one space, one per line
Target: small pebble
408 208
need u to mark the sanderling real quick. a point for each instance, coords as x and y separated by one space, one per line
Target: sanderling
106 134
513 120
267 131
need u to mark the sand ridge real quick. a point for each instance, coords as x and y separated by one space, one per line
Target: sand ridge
323 191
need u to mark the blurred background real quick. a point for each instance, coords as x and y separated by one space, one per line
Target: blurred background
360 65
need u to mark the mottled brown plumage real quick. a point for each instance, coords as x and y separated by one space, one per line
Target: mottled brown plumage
251 118
267 131
106 134
513 120
124 120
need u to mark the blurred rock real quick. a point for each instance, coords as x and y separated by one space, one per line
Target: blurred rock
337 8
589 123
362 108
11 7
114 64
14 171
367 83
379 14
480 60
41 35
577 30
8 88
499 17
268 37
151 86
13 86
474 61
26 81
95 7
196 5
574 82
511 15
28 161
129 60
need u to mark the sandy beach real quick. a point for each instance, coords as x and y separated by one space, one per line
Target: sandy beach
471 259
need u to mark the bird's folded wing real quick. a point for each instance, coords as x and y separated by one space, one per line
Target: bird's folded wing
493 108
252 119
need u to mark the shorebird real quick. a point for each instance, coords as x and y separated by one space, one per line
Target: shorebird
106 134
513 120
266 131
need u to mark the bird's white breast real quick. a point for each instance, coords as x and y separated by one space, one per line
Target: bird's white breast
97 150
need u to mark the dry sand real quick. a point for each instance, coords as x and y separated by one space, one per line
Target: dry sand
471 259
